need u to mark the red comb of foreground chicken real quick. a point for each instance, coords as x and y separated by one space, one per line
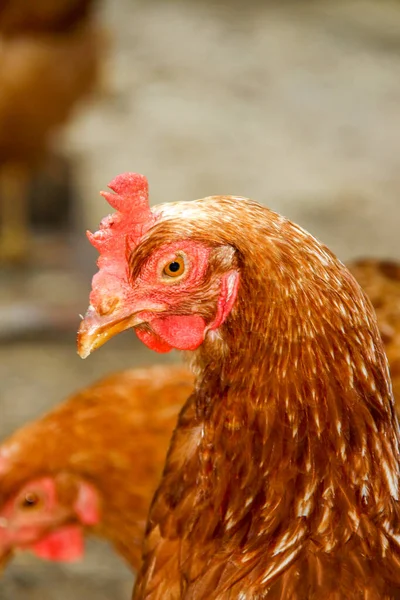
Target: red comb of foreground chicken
90 466
282 478
117 232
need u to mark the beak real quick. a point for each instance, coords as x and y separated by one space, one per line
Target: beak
95 329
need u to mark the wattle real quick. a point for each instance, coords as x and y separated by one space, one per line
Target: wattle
182 332
64 544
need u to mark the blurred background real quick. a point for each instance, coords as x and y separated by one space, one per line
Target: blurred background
294 103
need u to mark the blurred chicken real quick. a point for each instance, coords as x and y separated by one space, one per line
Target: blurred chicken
91 465
42 77
380 279
49 61
17 16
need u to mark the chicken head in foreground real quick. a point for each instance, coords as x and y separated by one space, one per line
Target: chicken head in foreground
281 480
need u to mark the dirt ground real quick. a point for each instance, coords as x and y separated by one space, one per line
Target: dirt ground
293 103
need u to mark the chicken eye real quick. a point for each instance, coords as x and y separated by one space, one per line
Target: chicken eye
31 500
175 268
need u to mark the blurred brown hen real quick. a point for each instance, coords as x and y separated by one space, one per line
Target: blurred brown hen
282 477
90 466
42 77
49 61
17 16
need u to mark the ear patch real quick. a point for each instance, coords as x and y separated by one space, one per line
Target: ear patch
228 292
87 505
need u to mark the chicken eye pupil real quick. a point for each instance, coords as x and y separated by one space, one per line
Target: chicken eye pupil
30 500
174 267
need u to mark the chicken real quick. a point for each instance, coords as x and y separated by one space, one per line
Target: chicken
282 477
90 466
43 75
18 16
380 279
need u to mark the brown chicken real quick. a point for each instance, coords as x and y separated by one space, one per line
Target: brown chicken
282 478
380 279
42 77
90 466
21 16
49 60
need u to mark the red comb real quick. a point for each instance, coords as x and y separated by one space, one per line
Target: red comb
133 216
121 229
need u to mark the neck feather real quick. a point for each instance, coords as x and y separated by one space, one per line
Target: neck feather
296 397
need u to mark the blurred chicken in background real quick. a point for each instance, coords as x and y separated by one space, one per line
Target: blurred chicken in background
49 61
17 16
380 279
108 443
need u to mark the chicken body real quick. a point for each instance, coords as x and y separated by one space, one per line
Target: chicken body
91 465
282 476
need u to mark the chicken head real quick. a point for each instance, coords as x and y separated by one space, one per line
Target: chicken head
159 293
47 515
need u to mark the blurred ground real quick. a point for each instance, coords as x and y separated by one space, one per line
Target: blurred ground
293 103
